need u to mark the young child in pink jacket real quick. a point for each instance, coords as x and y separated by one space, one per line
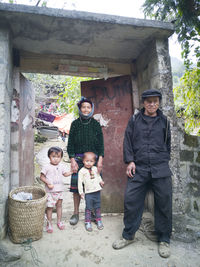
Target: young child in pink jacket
52 175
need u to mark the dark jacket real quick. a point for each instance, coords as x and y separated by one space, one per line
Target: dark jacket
145 144
85 136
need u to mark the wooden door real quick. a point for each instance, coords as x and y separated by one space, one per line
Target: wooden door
113 102
26 133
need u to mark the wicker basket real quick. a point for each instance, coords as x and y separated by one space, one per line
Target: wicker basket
26 218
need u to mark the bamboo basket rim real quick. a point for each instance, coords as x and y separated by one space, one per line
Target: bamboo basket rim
26 217
27 187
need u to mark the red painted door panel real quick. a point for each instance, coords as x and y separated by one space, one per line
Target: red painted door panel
113 100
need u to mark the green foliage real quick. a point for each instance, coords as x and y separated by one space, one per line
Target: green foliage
185 16
40 139
187 99
71 94
66 89
45 84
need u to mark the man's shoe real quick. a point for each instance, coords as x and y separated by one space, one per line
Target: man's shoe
164 249
74 219
121 243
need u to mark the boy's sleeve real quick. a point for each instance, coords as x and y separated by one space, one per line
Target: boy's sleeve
80 182
98 175
100 178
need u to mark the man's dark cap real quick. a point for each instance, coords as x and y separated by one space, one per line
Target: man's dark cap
151 92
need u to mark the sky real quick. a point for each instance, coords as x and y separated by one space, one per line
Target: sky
126 8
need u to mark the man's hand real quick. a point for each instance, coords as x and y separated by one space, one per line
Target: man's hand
74 166
82 196
130 170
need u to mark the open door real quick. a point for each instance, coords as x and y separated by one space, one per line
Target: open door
113 106
26 132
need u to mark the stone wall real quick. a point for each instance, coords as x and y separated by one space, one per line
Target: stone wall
5 107
187 219
190 173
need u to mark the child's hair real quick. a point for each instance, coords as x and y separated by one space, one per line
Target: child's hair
89 153
55 149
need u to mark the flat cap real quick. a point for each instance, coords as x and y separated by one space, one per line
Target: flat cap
151 92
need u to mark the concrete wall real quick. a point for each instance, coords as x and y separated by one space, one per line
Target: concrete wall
154 71
5 107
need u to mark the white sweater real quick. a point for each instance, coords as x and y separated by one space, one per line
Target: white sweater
90 185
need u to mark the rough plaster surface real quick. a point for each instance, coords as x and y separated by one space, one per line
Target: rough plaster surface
55 31
5 85
154 71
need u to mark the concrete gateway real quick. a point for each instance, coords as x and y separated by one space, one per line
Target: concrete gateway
127 56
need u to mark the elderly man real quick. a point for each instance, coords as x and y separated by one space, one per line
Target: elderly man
147 145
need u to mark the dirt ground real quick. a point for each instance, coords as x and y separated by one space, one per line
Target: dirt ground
75 247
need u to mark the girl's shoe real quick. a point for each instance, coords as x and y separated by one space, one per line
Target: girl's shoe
88 226
100 225
61 225
49 228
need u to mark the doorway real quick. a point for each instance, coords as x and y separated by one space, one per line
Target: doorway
113 108
55 109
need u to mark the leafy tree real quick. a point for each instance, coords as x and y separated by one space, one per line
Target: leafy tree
66 89
185 16
71 94
46 84
187 100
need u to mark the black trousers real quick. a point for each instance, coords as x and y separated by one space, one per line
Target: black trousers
134 205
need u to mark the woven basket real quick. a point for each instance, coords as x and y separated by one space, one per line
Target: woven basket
26 218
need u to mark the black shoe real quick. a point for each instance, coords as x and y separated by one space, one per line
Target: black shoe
74 219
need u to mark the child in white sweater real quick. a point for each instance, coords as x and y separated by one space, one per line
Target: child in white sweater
90 180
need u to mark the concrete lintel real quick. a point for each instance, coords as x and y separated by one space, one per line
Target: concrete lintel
43 30
82 15
67 65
